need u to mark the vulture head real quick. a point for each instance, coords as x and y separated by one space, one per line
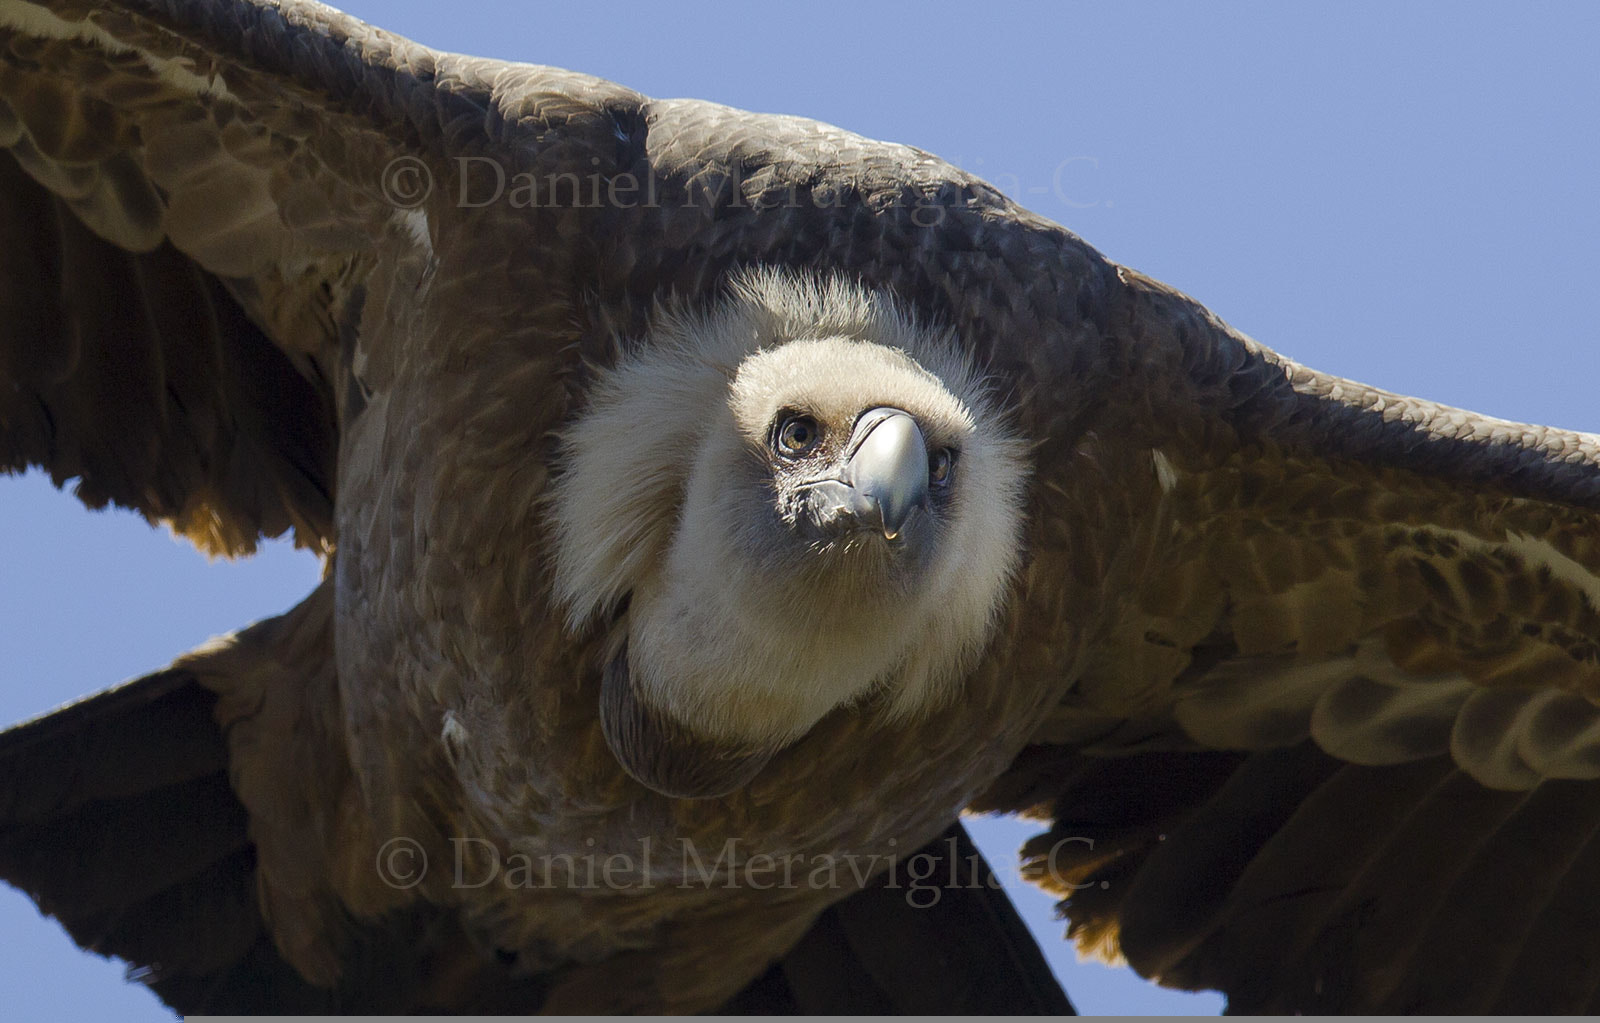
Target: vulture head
796 502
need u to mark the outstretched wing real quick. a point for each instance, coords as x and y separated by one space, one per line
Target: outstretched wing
1334 744
145 237
193 197
121 816
1273 590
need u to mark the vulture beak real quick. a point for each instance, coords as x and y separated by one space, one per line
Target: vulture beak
885 475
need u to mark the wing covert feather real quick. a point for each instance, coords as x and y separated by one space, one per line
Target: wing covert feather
1376 619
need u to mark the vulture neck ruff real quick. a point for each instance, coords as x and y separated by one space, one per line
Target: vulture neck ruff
678 520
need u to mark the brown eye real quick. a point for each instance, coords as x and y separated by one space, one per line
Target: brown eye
939 465
797 435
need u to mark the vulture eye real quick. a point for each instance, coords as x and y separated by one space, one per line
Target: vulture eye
939 465
797 435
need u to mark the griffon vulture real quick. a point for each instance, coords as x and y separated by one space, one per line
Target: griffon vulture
768 489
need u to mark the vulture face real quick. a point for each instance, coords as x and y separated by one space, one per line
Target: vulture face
819 512
840 477
857 482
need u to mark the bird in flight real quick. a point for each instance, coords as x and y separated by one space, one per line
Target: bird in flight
713 494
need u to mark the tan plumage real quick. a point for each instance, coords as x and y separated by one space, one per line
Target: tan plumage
1187 589
753 636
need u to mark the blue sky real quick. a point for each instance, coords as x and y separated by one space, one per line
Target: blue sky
1403 195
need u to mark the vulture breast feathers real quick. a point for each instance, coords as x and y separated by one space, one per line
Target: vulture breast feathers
745 496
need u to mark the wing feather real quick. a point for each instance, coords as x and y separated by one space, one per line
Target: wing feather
1388 610
193 195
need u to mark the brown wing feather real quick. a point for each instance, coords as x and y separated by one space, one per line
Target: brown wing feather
124 816
187 185
1346 697
139 376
